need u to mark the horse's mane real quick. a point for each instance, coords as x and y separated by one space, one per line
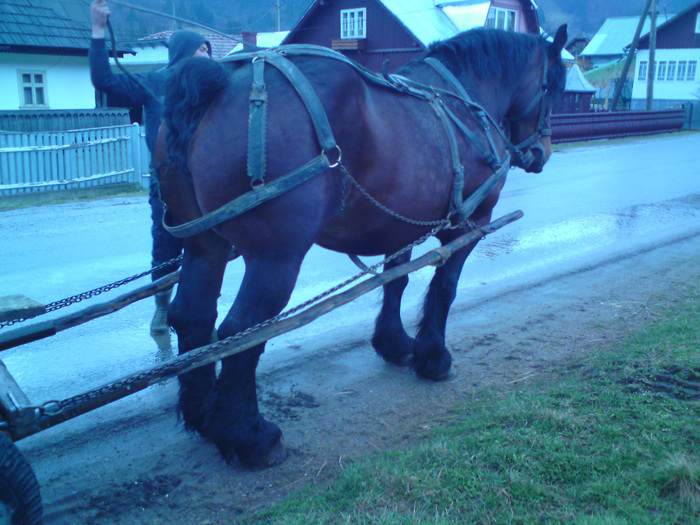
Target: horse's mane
489 54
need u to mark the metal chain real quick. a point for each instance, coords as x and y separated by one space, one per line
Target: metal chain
53 407
384 208
62 303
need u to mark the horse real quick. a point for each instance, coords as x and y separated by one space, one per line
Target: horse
392 149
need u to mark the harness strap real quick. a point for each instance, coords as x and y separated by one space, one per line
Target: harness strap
251 199
457 168
476 198
257 126
308 96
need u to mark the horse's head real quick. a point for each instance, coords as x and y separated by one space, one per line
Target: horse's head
528 119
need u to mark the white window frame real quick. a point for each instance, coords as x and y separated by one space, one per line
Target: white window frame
643 70
671 71
353 23
661 72
682 68
35 86
498 18
697 23
692 70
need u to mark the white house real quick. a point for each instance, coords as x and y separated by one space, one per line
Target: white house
677 57
616 34
43 55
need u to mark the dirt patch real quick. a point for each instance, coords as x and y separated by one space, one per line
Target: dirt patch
345 403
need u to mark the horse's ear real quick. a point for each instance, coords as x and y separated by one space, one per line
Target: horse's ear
559 42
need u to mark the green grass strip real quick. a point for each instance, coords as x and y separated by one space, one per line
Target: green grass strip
611 442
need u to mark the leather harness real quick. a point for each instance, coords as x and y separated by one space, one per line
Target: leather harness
262 191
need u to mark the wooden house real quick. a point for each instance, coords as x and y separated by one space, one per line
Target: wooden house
577 95
677 80
372 32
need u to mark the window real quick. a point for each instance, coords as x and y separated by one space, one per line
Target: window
681 70
643 66
671 73
692 68
661 75
499 18
697 23
353 23
32 89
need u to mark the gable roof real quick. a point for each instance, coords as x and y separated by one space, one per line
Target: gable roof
668 22
431 20
45 27
616 34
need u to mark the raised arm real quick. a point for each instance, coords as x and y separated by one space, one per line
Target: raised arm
123 90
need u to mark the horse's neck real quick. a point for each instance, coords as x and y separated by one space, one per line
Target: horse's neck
489 94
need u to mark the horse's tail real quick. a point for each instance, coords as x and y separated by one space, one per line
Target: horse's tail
189 89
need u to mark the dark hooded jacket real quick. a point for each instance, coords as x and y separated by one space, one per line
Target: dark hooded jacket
147 89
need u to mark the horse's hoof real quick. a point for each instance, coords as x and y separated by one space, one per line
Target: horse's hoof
276 456
434 369
400 360
394 350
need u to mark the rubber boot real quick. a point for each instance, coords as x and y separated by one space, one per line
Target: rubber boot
159 324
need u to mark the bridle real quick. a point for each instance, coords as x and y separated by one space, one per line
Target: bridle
520 151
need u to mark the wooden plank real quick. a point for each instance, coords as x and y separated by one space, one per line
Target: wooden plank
19 307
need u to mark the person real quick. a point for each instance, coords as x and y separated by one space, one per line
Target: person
145 90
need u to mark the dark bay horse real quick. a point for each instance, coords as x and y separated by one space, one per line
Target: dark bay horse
233 125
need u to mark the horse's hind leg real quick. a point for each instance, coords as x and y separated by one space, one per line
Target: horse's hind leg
431 359
193 315
390 339
237 427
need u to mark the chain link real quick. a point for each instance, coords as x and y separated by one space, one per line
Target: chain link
62 303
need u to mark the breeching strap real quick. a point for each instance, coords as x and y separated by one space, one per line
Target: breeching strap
257 126
257 120
251 199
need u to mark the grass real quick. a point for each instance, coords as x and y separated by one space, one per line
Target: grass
45 198
598 443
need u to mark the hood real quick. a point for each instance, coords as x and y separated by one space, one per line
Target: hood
183 44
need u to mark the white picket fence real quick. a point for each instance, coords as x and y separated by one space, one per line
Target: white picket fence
46 161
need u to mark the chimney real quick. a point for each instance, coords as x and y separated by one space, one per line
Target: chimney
250 37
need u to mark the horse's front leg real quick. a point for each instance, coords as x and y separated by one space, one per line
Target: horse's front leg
193 315
390 339
431 359
237 427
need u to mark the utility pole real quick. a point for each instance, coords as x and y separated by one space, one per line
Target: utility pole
652 56
630 56
277 8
